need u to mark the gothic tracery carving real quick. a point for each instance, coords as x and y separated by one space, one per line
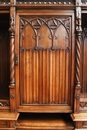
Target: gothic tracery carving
4 103
52 24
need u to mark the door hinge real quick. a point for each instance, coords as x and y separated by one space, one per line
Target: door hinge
16 59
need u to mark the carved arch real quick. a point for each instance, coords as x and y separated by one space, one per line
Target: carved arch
60 36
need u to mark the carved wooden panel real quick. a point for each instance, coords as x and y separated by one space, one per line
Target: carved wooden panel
45 48
4 57
84 55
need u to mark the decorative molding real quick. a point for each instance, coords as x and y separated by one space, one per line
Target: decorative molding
4 103
4 2
84 1
45 2
84 124
39 48
83 104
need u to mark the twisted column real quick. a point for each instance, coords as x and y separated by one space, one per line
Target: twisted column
12 34
12 41
12 56
78 57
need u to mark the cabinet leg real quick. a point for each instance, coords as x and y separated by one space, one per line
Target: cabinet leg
12 124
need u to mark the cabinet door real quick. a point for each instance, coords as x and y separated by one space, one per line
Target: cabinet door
46 63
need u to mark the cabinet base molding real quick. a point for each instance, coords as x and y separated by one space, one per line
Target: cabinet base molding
37 121
80 120
9 116
79 117
8 120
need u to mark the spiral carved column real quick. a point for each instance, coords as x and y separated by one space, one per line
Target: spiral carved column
12 54
12 34
78 56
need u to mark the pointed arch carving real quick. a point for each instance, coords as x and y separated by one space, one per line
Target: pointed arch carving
45 37
61 38
27 37
45 33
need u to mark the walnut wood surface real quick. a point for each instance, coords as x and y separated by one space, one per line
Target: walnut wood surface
47 58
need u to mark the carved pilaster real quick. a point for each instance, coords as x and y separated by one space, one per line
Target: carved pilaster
12 54
12 36
78 56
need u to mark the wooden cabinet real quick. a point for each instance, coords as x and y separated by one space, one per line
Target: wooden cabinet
43 65
45 60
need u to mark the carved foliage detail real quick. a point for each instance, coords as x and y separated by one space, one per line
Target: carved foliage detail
11 29
46 33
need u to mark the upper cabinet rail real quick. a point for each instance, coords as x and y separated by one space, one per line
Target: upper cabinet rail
39 1
4 2
45 1
84 1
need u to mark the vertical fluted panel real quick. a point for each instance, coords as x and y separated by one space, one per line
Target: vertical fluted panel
67 93
57 76
27 67
30 77
51 91
34 78
53 74
40 76
24 89
63 77
45 77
